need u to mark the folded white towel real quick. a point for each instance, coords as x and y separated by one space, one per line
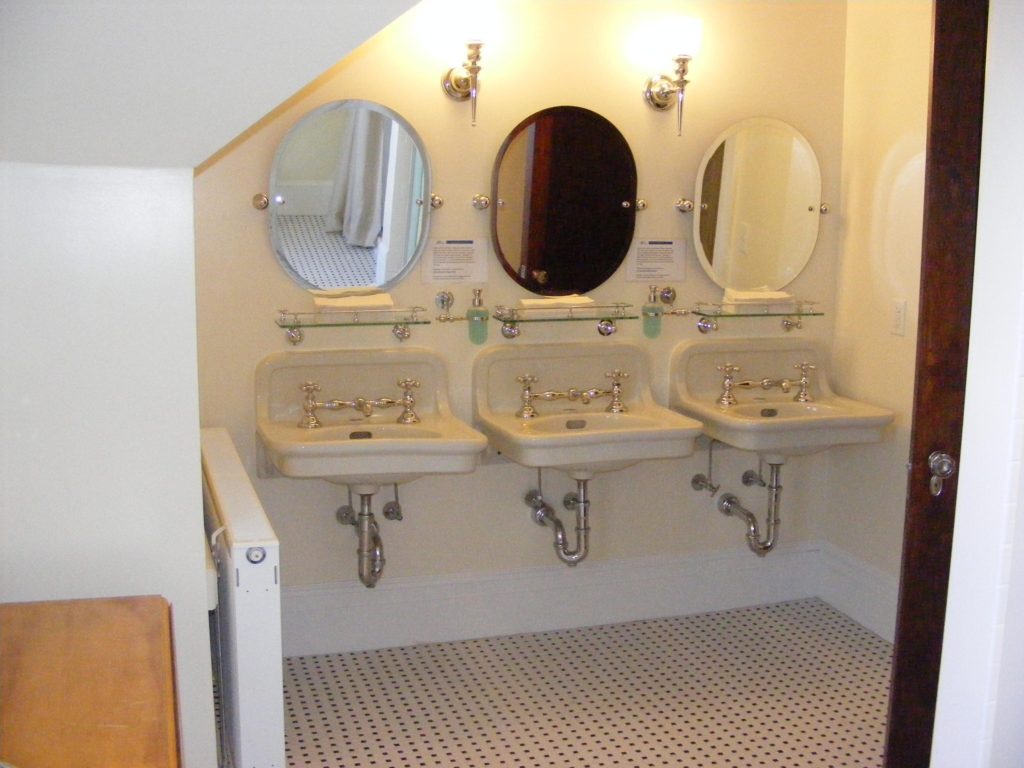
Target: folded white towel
553 302
326 301
755 297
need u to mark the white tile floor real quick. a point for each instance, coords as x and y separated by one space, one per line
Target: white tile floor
323 258
790 685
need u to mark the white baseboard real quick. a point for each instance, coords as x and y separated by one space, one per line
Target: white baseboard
342 617
863 592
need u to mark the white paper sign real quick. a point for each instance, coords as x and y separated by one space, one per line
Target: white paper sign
455 261
655 260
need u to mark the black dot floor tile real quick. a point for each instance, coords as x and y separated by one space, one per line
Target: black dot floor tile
794 685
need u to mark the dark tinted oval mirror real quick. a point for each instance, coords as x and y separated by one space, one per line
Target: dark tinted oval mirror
757 208
348 194
565 190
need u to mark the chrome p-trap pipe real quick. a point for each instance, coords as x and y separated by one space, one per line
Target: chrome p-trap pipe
371 549
729 504
544 514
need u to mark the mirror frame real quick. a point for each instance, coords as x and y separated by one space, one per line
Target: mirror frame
799 263
621 250
422 235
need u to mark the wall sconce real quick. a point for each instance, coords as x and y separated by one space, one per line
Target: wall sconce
659 91
662 91
462 83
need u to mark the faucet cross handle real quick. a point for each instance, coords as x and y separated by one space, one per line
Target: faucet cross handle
616 405
804 395
527 411
309 418
408 401
727 398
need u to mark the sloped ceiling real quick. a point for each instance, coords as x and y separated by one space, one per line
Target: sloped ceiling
161 83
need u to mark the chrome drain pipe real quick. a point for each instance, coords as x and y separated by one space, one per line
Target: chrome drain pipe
544 514
371 548
370 551
729 504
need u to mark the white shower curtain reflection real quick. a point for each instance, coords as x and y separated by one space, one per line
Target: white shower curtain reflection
357 199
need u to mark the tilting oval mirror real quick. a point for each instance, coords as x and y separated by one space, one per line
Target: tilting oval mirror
565 186
757 207
349 196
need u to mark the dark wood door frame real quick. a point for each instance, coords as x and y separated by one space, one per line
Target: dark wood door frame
947 269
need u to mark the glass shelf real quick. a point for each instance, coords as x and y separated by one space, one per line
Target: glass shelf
790 313
615 311
400 318
606 316
752 309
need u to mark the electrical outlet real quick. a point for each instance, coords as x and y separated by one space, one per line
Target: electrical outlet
898 318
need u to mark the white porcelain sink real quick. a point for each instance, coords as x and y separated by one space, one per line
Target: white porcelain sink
581 439
351 448
769 422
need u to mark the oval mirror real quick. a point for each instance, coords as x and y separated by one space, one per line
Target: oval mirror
757 207
349 197
565 186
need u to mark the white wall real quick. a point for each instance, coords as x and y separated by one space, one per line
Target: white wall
98 401
649 510
99 464
161 84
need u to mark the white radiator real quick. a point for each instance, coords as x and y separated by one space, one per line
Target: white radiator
246 628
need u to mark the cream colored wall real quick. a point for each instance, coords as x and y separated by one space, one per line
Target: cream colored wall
778 60
880 219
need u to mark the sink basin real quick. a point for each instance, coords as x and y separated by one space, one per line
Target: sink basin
769 422
351 448
581 439
783 410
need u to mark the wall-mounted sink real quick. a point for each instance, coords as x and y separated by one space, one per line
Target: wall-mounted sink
350 447
568 434
768 421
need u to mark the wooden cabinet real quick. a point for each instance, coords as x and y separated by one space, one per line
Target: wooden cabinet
88 683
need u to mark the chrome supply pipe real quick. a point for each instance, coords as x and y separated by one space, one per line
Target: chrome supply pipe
371 549
729 504
544 514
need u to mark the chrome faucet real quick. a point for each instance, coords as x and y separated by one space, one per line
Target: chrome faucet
585 396
364 405
729 383
804 396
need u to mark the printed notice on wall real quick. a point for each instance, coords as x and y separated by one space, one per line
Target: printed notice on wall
455 261
654 260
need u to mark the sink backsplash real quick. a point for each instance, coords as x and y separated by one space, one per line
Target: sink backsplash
347 374
758 359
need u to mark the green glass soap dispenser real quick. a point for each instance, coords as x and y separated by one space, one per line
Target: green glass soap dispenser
652 312
476 316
